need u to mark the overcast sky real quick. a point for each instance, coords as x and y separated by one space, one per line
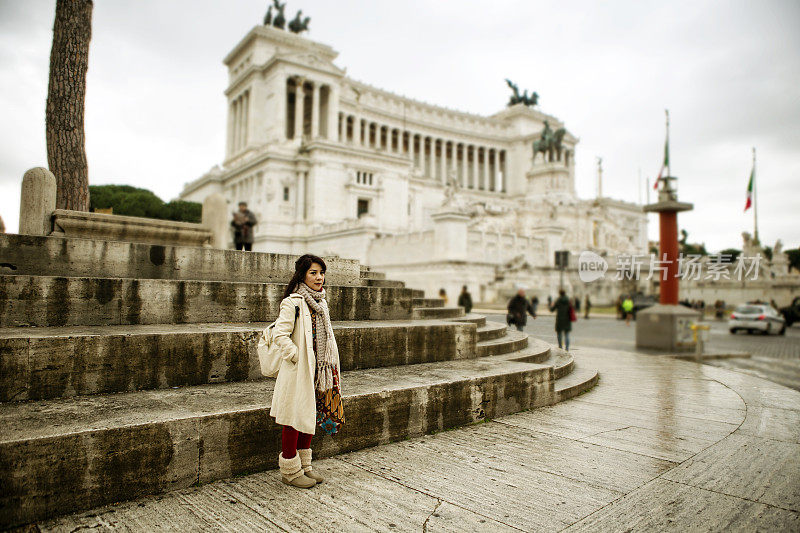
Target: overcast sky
729 72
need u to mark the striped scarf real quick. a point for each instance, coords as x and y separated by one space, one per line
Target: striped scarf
328 352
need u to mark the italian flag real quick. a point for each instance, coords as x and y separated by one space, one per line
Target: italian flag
749 203
664 165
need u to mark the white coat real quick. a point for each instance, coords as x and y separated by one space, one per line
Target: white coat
294 402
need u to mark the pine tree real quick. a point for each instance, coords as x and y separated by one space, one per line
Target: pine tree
66 93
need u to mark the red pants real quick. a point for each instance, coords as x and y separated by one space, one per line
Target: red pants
292 440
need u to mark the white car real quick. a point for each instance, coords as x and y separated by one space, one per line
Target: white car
757 317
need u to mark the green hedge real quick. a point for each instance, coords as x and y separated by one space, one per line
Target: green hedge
135 202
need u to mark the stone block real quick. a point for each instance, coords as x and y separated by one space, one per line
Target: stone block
68 301
666 327
37 202
49 363
215 220
60 256
63 456
82 224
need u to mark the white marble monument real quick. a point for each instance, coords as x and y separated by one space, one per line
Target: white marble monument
432 196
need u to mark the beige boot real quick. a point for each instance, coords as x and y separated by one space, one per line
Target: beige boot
292 472
305 460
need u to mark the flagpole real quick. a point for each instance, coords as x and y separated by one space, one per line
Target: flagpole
755 203
639 183
668 161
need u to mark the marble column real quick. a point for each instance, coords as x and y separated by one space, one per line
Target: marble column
333 112
503 178
493 177
442 161
356 130
460 167
245 117
473 182
298 110
315 96
422 154
482 167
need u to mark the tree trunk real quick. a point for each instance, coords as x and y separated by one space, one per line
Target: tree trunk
66 93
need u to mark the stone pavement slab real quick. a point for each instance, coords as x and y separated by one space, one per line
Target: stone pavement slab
658 445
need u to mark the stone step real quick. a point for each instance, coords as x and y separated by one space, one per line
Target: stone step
479 320
368 274
385 283
491 331
427 302
536 351
581 379
512 341
65 301
46 363
417 293
61 456
71 257
438 312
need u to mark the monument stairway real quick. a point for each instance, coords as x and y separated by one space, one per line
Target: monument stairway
116 385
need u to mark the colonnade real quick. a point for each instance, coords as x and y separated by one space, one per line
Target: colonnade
473 167
238 119
309 109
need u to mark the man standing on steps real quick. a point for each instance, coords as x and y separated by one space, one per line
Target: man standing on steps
243 222
465 300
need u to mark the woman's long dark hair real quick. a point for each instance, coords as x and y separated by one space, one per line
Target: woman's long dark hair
301 267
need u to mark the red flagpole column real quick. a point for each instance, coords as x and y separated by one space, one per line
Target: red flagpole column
668 242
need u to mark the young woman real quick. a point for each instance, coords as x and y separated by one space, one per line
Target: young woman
307 391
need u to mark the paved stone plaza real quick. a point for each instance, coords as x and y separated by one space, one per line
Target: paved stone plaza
773 357
658 444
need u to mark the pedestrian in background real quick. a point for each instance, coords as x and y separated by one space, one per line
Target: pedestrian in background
243 222
627 309
443 295
465 300
535 305
587 305
518 309
564 313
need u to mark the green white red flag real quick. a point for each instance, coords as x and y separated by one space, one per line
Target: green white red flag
749 202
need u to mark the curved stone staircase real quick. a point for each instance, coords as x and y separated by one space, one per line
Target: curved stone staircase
115 386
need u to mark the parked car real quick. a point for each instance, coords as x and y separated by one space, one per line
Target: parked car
757 317
791 313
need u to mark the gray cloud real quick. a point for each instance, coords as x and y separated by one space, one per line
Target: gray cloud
728 72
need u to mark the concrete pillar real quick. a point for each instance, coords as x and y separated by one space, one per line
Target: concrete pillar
246 119
37 202
315 108
298 110
215 219
668 244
